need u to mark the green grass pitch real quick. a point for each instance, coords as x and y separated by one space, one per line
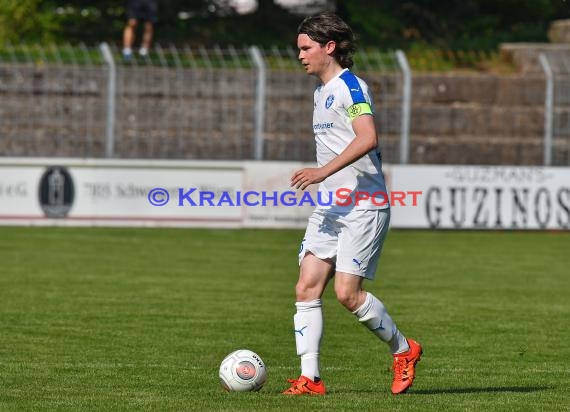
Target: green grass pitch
139 319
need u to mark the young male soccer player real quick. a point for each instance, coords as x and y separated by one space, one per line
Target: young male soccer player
343 242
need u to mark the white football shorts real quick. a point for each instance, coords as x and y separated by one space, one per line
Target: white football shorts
353 240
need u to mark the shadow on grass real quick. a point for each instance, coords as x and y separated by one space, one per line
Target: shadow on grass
516 389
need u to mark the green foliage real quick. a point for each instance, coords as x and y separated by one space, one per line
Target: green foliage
91 21
387 24
455 24
29 20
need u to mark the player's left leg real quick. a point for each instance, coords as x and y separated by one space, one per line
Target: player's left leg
149 10
360 246
147 38
369 310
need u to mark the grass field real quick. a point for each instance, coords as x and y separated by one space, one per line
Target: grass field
139 319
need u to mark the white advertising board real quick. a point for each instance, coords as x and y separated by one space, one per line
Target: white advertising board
258 194
483 197
287 209
141 193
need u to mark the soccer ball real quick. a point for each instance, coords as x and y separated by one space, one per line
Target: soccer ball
242 371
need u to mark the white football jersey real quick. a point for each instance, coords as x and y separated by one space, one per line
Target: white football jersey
337 103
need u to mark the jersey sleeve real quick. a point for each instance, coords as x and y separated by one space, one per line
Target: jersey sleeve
357 104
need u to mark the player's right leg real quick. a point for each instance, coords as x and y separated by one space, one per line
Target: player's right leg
308 323
129 38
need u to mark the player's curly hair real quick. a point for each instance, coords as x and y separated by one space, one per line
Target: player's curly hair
326 26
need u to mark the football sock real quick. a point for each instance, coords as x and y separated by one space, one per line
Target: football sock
373 314
308 323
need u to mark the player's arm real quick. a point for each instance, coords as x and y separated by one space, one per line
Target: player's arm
365 140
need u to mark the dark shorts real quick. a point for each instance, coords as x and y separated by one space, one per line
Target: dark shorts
143 10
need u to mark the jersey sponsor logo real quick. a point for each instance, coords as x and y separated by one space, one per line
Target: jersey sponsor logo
329 101
327 125
321 128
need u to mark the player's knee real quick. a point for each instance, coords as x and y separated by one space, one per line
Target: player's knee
301 290
347 297
305 292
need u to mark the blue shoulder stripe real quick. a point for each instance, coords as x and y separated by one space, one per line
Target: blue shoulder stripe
352 83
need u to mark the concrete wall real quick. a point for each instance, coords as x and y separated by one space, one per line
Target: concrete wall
477 118
457 118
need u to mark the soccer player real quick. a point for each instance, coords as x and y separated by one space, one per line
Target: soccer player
342 240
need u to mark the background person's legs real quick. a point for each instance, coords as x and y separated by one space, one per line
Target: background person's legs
129 38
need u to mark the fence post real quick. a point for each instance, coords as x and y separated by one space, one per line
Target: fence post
548 108
111 97
406 107
259 101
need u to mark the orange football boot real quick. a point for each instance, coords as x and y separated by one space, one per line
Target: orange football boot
404 367
304 385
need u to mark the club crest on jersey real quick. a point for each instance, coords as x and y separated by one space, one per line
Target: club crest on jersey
329 101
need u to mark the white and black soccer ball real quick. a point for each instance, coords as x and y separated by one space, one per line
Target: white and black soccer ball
243 371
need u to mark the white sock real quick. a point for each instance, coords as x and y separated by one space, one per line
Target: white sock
373 314
127 51
308 323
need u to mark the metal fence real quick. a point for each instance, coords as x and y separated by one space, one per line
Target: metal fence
177 103
556 67
250 103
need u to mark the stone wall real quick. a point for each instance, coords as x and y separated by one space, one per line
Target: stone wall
477 118
457 118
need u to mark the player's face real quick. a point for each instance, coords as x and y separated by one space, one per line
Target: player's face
312 55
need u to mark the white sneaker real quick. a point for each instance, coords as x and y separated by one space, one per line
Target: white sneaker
127 54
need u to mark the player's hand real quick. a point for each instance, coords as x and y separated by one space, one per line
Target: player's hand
308 176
